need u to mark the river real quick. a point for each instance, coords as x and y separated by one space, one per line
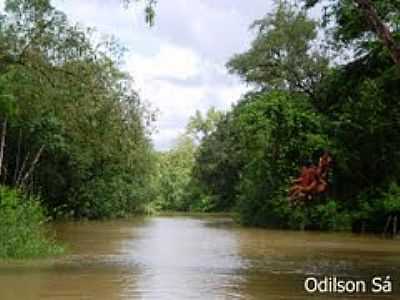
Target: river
196 258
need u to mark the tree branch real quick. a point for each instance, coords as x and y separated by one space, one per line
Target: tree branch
380 28
33 165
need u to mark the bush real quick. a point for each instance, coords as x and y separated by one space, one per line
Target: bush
326 215
391 199
330 216
22 231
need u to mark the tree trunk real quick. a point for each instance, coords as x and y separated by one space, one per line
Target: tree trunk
22 170
380 28
394 226
18 157
388 221
33 165
3 144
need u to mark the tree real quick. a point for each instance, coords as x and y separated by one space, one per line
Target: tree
357 18
175 183
200 126
247 163
283 56
217 168
174 173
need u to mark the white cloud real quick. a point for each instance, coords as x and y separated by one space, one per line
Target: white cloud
171 61
178 65
176 81
229 95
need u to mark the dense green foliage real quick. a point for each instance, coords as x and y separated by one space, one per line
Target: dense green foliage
72 130
22 231
75 132
174 183
173 176
302 105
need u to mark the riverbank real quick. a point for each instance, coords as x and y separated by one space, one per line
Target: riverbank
196 214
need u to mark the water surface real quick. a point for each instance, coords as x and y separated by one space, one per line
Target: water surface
196 258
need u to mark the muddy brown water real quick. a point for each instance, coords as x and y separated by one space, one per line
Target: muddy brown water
197 258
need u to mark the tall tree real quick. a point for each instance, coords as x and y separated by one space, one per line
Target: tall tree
200 126
283 55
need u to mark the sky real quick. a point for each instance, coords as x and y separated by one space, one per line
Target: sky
178 65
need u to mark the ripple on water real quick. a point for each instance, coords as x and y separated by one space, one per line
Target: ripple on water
193 258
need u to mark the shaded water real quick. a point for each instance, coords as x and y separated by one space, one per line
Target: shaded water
196 258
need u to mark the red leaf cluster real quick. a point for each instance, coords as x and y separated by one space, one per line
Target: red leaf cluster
313 180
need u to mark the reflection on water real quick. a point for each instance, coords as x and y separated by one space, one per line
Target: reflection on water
183 259
195 258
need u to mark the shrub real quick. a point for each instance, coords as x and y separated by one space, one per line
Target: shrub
391 199
22 227
330 216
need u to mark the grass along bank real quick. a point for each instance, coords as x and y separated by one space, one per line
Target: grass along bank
23 233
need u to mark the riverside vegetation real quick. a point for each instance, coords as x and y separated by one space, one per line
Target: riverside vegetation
76 135
307 97
73 131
